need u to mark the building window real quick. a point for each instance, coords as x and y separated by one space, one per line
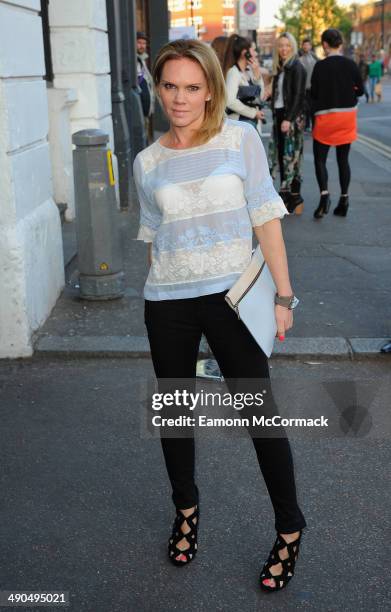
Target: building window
229 4
229 24
178 23
197 4
176 5
198 21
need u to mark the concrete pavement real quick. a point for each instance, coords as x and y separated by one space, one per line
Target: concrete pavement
340 268
86 508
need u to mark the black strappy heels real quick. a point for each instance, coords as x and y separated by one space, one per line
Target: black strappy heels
178 535
288 564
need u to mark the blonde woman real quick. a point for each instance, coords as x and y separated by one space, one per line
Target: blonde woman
287 104
203 187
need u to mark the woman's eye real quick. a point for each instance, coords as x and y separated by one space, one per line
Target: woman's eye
193 88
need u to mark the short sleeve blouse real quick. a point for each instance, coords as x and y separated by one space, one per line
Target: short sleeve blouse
198 207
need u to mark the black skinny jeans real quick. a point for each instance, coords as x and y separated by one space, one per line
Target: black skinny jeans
174 330
320 157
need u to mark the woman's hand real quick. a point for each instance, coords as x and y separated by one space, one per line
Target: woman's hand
284 320
285 126
255 67
260 115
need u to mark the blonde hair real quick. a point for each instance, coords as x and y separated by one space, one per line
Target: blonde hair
201 53
276 56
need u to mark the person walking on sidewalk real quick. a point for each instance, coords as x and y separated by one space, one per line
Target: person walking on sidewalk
375 75
203 187
335 86
287 104
144 81
308 58
364 71
241 70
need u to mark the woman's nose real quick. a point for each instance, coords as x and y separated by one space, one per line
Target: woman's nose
180 96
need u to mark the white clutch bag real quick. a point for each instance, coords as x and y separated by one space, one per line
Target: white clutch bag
252 298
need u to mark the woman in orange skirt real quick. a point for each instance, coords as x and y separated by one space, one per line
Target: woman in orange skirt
335 86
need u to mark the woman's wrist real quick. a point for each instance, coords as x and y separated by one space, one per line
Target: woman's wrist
284 290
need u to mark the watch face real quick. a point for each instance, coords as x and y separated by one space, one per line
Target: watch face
294 302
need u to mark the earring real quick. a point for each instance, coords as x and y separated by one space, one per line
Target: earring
207 99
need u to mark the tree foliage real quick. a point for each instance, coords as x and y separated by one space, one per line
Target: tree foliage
308 18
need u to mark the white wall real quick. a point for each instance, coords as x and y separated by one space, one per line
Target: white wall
31 260
80 53
81 96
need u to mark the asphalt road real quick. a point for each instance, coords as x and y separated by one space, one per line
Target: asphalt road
374 120
85 504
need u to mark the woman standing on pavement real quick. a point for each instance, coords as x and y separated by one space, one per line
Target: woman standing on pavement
241 68
288 104
336 84
203 187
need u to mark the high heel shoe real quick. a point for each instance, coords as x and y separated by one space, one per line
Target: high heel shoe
178 535
284 195
342 207
323 206
288 564
295 204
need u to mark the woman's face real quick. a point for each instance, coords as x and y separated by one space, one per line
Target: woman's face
284 48
183 91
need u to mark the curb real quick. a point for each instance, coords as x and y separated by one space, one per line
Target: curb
138 347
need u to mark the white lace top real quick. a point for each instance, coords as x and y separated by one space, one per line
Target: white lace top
198 206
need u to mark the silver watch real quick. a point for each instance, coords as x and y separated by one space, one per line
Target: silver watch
290 301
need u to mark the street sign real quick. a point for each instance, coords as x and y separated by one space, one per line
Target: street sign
249 14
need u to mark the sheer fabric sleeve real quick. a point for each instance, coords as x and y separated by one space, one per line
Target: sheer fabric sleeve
150 215
263 201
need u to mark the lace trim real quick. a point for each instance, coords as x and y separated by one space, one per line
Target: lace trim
184 266
146 234
188 200
268 211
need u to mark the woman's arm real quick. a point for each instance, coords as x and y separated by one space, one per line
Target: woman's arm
272 245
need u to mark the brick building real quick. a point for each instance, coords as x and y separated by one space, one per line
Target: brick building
370 19
211 18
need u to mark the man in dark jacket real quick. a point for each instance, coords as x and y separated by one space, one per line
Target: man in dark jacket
308 58
364 71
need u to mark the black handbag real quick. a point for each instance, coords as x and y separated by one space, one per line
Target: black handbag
246 94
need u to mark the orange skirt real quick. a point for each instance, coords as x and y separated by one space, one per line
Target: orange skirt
336 128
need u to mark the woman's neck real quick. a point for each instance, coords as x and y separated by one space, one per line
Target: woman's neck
182 137
334 52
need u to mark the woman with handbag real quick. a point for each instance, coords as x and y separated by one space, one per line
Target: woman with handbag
288 107
243 74
202 187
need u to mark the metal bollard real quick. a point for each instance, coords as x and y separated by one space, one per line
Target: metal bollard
97 232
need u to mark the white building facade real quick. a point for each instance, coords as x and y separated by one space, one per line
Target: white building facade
37 120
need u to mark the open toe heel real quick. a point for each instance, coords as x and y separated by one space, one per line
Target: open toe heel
288 565
183 557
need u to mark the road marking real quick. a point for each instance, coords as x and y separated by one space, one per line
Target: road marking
379 118
375 145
